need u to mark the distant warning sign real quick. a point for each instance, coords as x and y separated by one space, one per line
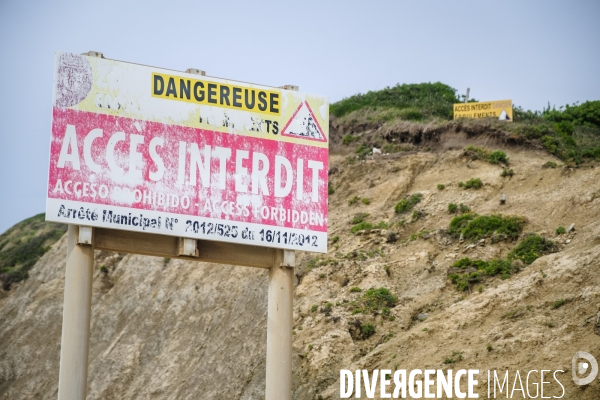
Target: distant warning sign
499 109
304 124
150 150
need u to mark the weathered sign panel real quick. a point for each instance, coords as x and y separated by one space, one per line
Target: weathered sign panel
499 109
152 150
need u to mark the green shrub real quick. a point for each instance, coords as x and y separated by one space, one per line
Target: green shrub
366 201
313 308
531 248
507 172
376 299
550 164
558 303
481 153
23 245
561 230
497 157
367 226
417 215
355 289
474 227
335 239
385 313
353 200
474 183
411 114
417 101
348 139
441 186
363 150
330 189
407 203
452 208
367 330
358 218
463 281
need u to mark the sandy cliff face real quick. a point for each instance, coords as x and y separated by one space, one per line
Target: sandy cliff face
169 329
162 329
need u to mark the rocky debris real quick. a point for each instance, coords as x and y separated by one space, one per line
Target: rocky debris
391 237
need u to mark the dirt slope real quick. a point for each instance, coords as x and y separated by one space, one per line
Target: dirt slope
168 329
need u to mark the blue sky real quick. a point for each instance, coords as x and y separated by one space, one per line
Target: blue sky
532 52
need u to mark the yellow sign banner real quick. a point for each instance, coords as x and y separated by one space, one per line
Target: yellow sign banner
215 94
499 109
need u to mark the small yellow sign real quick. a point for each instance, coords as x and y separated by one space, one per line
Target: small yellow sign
499 109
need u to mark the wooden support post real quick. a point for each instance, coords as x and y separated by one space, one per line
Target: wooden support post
77 310
279 326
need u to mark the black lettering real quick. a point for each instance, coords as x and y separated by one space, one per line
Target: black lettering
275 127
268 125
212 92
249 105
171 88
237 96
158 80
262 101
274 101
224 95
199 94
184 89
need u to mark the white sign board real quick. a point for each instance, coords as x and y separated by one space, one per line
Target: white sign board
151 150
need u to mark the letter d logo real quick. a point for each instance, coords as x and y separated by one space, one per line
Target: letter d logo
584 367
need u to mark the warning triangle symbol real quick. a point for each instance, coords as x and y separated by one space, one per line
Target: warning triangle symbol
504 116
304 125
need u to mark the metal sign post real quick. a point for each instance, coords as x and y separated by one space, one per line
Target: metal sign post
77 311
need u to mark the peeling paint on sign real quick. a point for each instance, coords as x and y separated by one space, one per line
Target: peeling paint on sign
123 155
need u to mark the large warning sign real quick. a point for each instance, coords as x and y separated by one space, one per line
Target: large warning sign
145 149
499 109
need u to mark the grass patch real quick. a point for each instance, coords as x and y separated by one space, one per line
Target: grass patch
441 186
507 172
561 230
473 183
367 330
349 139
366 201
407 203
355 289
480 270
23 245
375 299
330 189
531 248
367 226
474 227
481 153
358 218
558 303
353 200
550 164
415 101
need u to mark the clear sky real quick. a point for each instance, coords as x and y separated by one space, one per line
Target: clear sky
532 52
